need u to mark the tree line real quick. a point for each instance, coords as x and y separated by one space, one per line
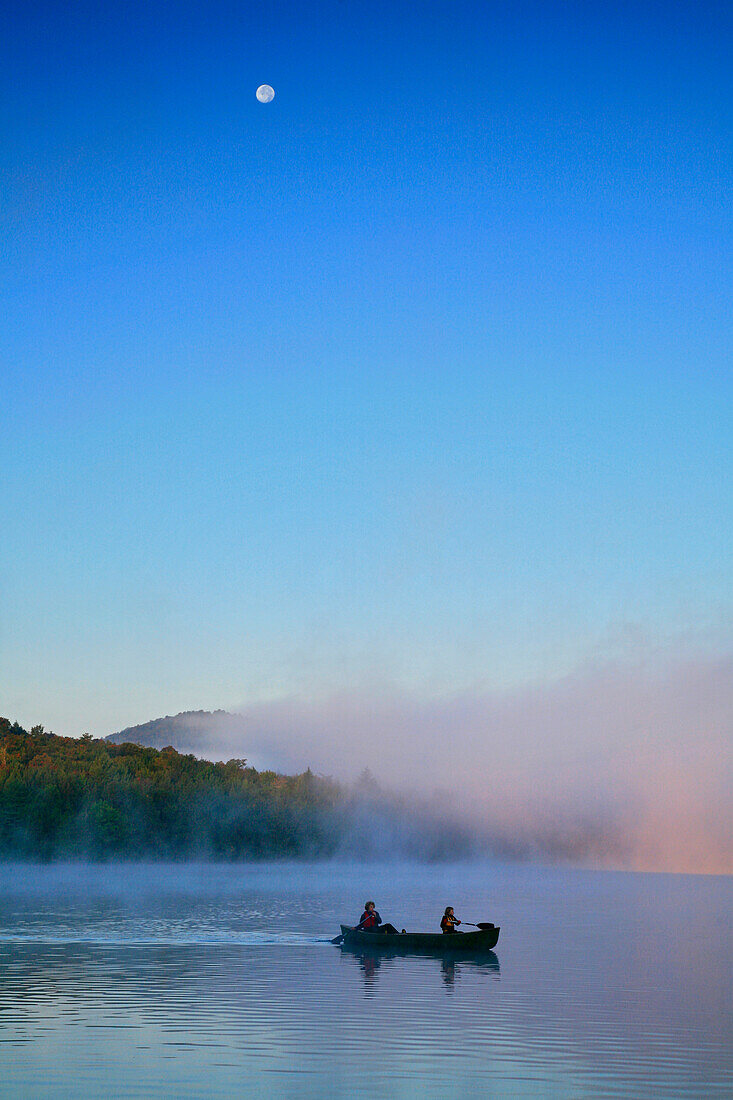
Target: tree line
83 798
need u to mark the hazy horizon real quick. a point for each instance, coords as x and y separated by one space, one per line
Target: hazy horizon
627 763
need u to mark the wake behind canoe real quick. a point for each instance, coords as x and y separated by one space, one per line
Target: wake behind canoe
433 942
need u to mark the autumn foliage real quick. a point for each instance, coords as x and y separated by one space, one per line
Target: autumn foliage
63 797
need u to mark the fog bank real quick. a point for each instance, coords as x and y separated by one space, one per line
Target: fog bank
630 765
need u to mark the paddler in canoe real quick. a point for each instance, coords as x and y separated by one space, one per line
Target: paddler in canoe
370 921
449 921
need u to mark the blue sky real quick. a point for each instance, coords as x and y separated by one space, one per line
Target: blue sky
418 375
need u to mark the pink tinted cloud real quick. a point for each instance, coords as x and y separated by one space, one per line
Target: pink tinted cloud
634 762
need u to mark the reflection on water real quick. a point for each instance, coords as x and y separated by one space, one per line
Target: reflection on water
449 966
221 981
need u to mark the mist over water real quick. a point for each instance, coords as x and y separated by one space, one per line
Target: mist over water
625 765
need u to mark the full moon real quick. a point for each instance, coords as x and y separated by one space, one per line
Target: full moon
265 93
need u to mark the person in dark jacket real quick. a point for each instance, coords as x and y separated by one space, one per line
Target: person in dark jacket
370 921
449 921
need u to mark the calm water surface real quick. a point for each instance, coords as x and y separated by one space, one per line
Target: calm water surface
219 981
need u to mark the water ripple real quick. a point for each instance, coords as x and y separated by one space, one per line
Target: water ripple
217 991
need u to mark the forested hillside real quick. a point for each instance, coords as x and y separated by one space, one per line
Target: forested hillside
66 798
204 733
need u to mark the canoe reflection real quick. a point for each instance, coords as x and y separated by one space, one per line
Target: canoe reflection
450 965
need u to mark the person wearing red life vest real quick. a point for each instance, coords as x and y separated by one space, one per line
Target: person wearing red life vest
370 921
449 921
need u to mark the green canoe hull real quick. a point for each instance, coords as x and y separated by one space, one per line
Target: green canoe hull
433 943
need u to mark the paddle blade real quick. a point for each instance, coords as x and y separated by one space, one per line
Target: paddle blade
337 940
485 925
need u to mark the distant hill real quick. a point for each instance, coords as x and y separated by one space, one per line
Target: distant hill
213 735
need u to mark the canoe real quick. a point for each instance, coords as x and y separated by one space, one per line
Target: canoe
429 942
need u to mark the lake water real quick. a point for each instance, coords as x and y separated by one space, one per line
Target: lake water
219 981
